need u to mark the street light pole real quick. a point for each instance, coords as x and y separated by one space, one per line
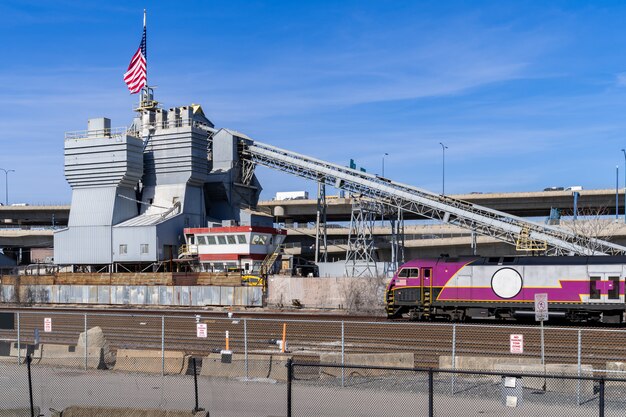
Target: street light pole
624 151
443 169
386 154
6 184
616 192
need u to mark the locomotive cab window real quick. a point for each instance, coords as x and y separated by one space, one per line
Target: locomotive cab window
427 272
409 273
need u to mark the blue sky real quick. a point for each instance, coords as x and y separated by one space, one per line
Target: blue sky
524 94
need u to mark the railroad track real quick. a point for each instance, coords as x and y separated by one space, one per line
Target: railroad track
142 329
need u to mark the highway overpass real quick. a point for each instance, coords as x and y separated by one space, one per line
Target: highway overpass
32 226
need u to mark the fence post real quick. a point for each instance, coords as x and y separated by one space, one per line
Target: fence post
19 346
163 347
431 394
86 358
453 355
343 354
579 366
289 378
30 385
245 346
601 397
195 384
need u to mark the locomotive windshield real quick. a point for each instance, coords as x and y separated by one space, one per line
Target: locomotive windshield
409 273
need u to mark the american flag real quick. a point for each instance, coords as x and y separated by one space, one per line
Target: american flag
136 75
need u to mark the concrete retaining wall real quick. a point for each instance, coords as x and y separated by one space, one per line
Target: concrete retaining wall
150 361
327 292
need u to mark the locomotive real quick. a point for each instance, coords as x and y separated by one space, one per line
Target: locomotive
579 288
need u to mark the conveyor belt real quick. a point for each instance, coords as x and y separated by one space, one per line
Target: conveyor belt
482 220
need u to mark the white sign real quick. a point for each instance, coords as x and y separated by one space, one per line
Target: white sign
541 307
510 381
517 343
47 324
201 330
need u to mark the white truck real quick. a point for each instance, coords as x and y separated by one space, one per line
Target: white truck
292 195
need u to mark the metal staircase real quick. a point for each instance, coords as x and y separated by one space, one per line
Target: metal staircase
270 259
482 220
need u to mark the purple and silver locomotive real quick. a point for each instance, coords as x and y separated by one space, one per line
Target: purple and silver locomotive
578 288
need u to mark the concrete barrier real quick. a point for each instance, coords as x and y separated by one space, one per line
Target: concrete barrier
150 361
484 363
71 356
23 350
400 359
569 386
77 411
258 366
19 412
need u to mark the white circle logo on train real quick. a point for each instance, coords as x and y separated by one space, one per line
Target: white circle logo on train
506 283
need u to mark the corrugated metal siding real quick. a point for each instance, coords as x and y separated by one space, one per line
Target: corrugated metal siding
92 206
133 238
103 161
83 245
7 293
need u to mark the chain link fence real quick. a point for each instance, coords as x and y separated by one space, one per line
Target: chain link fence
389 391
145 360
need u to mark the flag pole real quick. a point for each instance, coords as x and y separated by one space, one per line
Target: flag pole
143 99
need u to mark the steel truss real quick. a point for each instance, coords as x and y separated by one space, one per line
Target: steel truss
482 220
361 254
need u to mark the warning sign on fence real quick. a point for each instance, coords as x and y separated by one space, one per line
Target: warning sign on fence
517 343
47 324
201 330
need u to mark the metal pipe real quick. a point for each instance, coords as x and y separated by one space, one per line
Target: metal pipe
624 151
19 346
289 378
443 169
343 354
30 386
616 191
453 353
245 346
163 346
85 342
431 394
601 397
579 366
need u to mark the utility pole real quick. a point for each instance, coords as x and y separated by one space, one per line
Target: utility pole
443 169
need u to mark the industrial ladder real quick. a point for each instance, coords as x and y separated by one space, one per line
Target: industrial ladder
482 220
268 262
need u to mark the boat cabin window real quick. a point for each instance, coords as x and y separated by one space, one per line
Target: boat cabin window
221 240
210 240
241 239
259 239
231 239
201 240
409 273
